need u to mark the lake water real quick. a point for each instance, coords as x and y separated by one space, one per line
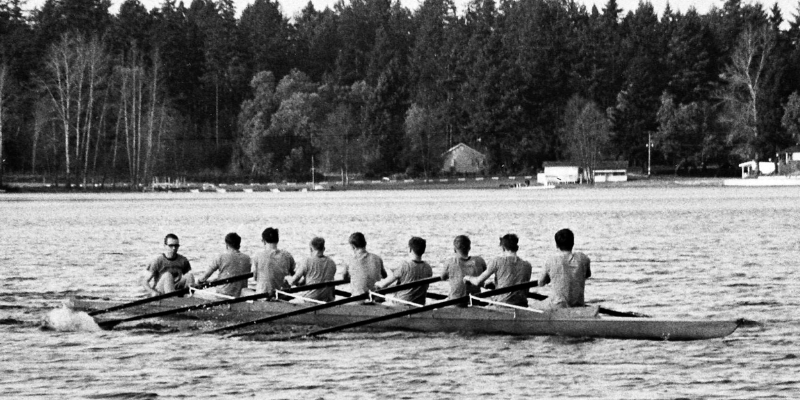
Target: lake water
695 253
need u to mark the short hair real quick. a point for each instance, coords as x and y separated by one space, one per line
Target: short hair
565 240
170 236
358 240
510 242
233 240
318 244
462 243
417 245
270 235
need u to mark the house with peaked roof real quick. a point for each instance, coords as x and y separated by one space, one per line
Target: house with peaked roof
462 159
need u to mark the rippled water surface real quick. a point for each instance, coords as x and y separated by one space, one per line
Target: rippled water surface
695 253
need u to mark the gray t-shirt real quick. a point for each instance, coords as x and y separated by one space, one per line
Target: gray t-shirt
230 264
509 271
456 268
567 272
363 270
410 271
317 270
270 269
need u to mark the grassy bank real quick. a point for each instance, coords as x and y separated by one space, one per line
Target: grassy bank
488 182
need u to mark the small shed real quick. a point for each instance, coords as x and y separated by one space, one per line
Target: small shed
462 159
611 171
561 172
764 168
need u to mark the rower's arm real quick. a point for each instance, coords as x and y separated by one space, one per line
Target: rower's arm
148 276
388 280
478 280
214 266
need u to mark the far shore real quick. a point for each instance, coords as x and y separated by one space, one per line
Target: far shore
455 183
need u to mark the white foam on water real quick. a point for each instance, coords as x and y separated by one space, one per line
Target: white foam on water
67 320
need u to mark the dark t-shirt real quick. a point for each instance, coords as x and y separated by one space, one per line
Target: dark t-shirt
178 266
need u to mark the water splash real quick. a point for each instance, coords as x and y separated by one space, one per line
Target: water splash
67 320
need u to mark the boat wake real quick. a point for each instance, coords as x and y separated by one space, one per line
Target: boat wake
65 319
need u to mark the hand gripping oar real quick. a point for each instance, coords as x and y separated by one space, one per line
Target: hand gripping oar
508 289
110 324
176 293
334 303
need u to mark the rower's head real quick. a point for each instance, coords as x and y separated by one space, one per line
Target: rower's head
462 245
357 240
270 235
171 245
509 242
233 240
565 240
317 245
417 245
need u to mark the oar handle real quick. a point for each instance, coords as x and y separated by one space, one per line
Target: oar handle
176 293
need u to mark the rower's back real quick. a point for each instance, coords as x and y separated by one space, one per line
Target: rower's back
566 272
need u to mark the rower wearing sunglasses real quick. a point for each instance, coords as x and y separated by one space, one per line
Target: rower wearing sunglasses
169 271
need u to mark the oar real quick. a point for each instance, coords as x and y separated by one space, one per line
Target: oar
537 296
176 293
110 324
331 304
509 289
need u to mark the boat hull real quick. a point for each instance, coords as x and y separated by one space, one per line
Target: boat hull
449 319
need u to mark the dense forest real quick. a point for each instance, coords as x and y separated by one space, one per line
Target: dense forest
372 88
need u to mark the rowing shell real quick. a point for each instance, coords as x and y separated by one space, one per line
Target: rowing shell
580 322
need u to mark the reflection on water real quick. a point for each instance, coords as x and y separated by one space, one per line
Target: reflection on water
676 253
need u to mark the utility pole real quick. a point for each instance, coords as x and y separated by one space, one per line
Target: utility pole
649 147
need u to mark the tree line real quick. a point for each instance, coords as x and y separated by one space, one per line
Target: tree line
373 88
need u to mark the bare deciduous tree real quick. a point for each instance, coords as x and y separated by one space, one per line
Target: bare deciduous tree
745 85
3 95
587 132
76 68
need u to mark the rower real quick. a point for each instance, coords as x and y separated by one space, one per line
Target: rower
169 271
410 271
364 269
230 263
460 265
508 270
567 271
316 269
271 266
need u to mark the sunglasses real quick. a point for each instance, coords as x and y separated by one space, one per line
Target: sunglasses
174 246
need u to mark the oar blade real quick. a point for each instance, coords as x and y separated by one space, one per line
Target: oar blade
176 293
112 323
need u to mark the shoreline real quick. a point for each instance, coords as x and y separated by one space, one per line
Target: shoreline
479 183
